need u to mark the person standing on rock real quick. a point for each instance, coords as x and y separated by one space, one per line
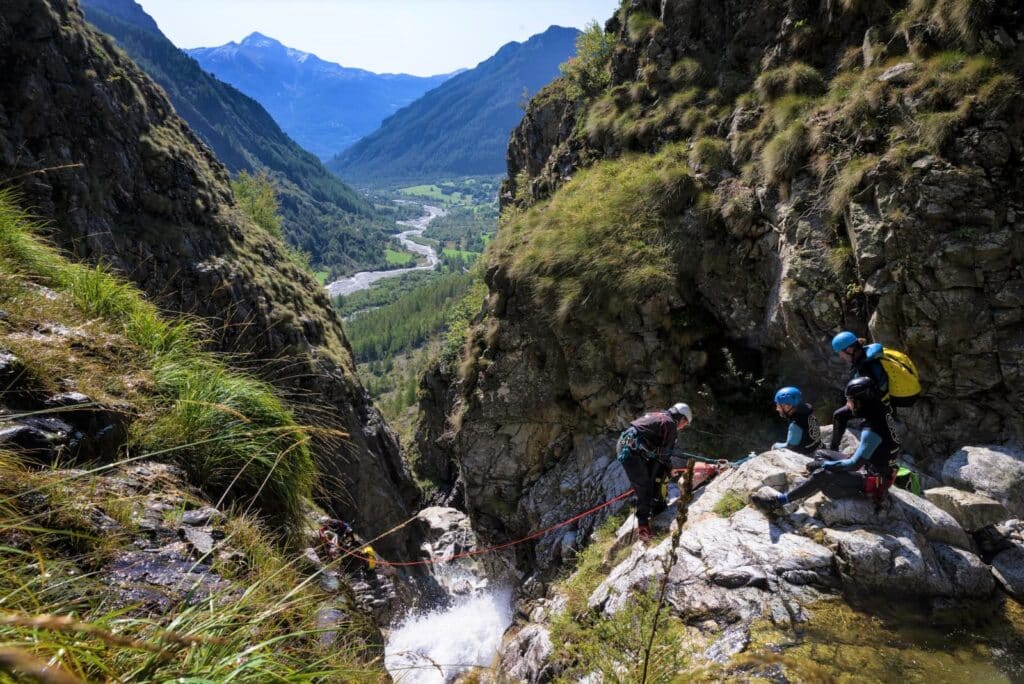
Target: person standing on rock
864 360
870 471
643 451
804 434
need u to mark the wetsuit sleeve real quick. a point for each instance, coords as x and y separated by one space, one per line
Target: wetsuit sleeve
795 436
869 441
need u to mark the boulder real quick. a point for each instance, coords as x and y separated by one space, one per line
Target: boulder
972 511
524 656
995 471
1008 568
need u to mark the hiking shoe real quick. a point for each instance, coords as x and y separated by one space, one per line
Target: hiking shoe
767 499
644 531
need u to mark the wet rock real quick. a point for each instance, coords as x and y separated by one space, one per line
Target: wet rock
1008 568
734 640
202 516
155 582
329 619
375 595
524 657
994 471
898 72
972 511
200 539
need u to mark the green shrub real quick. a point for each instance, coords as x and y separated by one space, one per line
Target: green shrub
588 72
257 198
708 155
848 182
730 503
640 25
793 79
686 71
784 153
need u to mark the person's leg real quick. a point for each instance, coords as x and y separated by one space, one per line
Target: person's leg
836 485
641 477
840 419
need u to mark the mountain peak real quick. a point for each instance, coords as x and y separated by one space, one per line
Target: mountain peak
257 39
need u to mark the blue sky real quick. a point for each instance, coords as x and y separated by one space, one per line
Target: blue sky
410 36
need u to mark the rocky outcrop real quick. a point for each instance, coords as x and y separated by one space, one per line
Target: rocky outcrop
95 149
733 567
824 172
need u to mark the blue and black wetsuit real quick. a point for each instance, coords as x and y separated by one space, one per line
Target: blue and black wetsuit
643 452
876 455
804 434
866 364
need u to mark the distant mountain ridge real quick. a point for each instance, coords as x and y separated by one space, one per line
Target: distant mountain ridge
461 127
324 106
322 215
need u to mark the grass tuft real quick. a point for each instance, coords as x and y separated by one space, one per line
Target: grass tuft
577 252
227 429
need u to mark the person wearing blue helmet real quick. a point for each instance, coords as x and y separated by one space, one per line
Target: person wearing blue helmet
870 471
804 434
865 362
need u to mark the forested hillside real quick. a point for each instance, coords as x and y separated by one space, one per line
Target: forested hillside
324 106
323 217
460 128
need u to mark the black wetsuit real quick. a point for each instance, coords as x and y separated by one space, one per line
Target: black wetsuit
804 434
862 367
877 455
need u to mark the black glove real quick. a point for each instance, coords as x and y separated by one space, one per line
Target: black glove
815 465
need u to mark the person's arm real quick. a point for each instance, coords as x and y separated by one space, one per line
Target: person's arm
869 441
793 438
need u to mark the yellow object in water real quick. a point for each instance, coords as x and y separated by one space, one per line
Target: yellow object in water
371 557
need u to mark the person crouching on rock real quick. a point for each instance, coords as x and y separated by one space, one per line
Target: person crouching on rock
870 471
643 451
864 360
804 434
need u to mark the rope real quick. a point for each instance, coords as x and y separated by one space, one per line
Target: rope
498 547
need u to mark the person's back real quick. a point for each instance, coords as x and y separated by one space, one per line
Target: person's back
656 430
810 429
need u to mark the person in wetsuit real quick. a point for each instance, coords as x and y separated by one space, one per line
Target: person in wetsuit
804 433
643 451
864 362
870 471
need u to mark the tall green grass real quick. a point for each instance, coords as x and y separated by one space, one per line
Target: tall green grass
228 430
607 231
56 609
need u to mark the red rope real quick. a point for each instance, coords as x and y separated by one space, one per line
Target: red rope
489 549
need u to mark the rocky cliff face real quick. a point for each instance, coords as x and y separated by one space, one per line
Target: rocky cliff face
94 147
756 177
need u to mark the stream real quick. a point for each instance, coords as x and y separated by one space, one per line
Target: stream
364 279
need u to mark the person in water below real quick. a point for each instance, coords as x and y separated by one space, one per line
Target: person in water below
870 471
804 434
643 451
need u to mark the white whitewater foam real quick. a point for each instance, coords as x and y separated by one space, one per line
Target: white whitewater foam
434 647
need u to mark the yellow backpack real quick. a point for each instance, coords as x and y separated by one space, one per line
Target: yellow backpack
904 382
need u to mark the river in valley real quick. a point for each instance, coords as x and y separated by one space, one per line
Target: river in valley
364 279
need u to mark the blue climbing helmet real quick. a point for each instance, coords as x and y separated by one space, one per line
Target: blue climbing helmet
789 396
843 340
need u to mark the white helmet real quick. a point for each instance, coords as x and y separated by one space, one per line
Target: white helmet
681 410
